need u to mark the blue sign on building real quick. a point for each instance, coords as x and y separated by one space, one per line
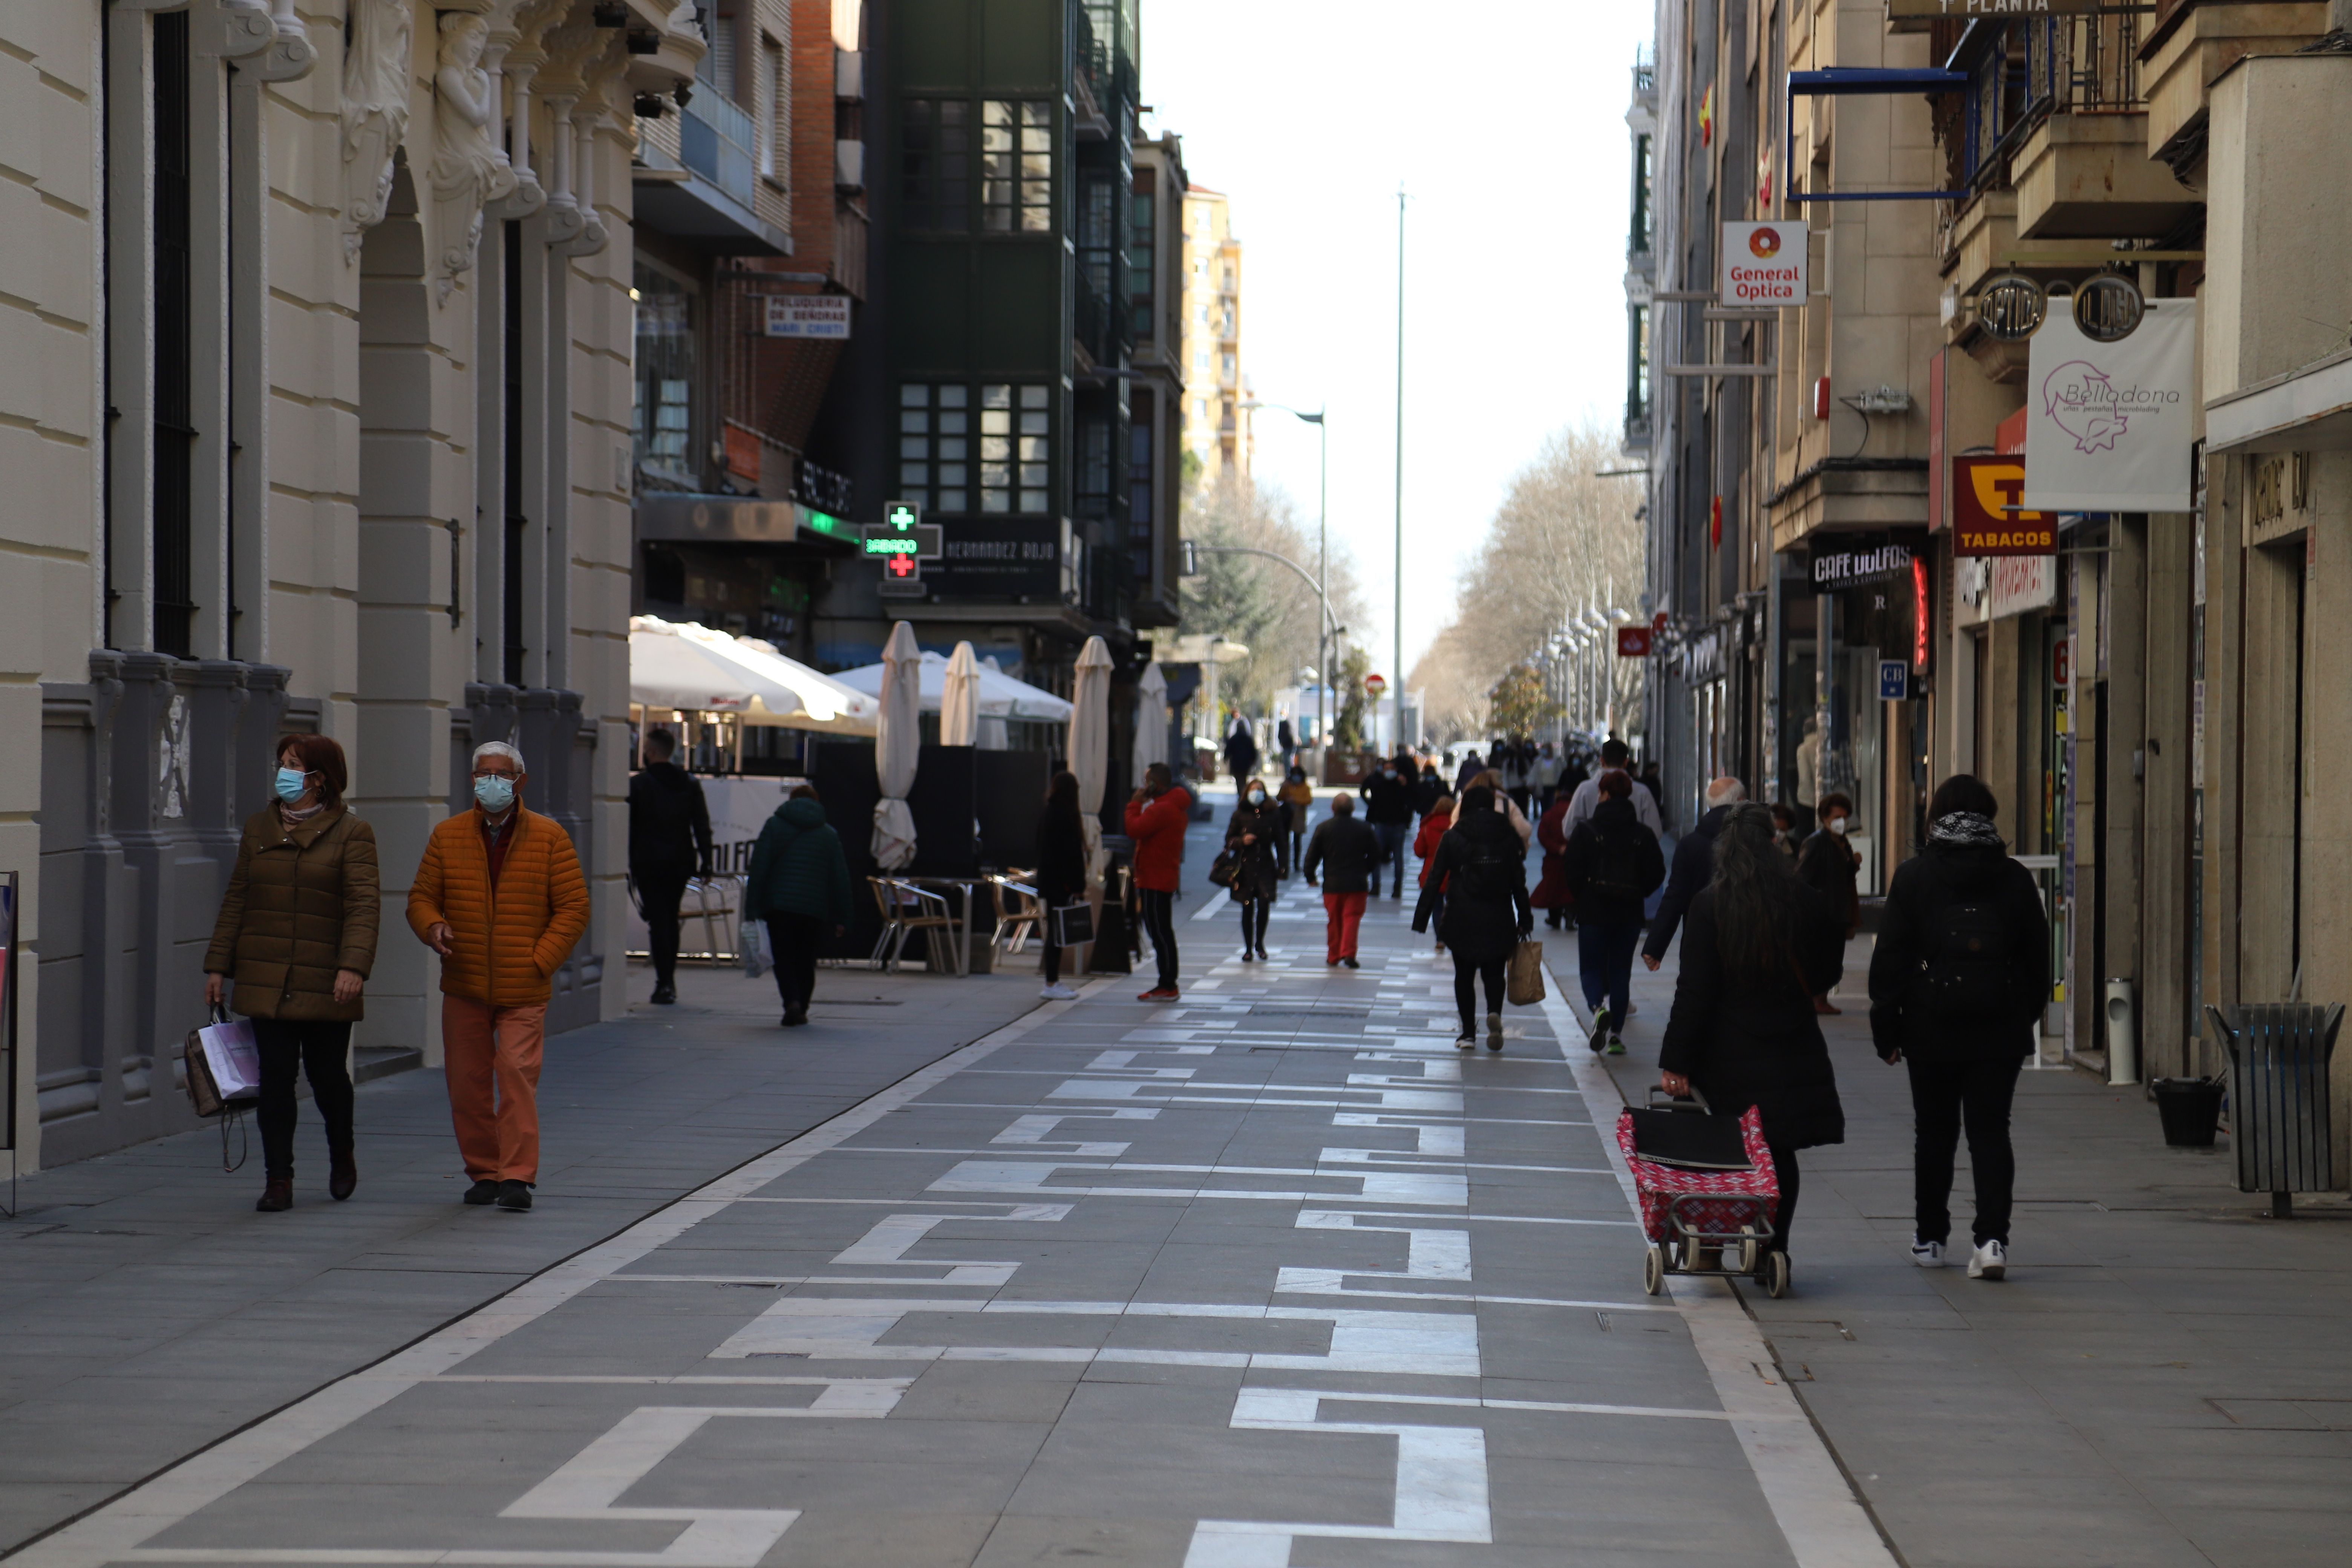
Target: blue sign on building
1894 680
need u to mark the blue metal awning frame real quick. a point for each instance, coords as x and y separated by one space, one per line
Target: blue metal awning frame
1841 81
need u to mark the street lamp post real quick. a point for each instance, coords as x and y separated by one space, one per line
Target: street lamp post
1322 551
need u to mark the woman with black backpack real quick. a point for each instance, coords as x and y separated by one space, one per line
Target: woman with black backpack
1959 977
1480 876
1613 864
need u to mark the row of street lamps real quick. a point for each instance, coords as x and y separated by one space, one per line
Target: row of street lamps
1579 661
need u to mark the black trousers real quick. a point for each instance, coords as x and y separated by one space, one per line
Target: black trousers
1467 974
661 892
1254 916
1784 1170
1160 925
794 940
1944 1094
1394 838
321 1051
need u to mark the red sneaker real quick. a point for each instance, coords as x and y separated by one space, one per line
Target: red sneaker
1159 994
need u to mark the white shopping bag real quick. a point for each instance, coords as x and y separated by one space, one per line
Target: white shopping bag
235 1059
752 944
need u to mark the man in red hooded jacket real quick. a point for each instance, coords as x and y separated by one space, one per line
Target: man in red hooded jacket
1156 816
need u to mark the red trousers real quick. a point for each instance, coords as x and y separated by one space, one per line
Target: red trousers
1342 912
490 1057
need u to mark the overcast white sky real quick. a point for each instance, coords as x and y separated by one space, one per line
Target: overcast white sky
1505 120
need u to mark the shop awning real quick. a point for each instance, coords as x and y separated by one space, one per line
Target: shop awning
691 669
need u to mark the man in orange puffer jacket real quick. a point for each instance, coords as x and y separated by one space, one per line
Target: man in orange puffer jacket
501 897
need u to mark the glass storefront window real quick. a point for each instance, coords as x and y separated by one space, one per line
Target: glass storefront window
664 377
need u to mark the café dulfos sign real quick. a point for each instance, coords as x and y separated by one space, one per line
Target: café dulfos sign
1763 264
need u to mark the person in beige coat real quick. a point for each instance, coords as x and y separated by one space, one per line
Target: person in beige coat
291 950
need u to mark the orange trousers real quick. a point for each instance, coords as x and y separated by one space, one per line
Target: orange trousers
490 1056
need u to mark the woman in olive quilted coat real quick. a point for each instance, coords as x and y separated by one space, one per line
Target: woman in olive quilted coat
296 939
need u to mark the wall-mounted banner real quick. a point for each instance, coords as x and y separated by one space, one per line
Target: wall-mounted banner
1985 516
1763 264
1848 560
2107 425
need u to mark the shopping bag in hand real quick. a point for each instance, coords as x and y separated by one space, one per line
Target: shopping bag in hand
224 1065
1072 924
1527 980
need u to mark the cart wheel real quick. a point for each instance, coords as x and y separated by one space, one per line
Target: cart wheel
1693 1257
1748 1257
1653 1271
1776 1273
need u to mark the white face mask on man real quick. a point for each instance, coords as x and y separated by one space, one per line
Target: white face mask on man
1835 824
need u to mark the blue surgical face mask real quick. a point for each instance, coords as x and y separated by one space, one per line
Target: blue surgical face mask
291 783
496 794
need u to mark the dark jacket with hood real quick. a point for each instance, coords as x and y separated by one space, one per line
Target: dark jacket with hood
1346 851
1612 823
1481 868
1061 854
669 822
798 868
1388 800
1693 869
1746 1041
1256 873
2014 988
1825 863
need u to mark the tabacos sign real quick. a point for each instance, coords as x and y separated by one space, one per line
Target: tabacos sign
1987 518
1763 264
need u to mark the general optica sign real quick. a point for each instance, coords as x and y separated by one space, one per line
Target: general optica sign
1763 264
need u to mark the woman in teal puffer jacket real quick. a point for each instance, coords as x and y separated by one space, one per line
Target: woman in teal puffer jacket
799 885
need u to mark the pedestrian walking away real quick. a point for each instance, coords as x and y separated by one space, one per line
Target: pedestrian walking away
1957 981
798 886
1156 816
291 950
1548 766
669 846
1472 766
1828 864
1693 863
1505 807
1251 835
1296 797
1743 1032
1241 753
1434 824
1586 796
1285 741
1480 875
1388 809
1348 854
1613 864
501 897
1061 872
1552 895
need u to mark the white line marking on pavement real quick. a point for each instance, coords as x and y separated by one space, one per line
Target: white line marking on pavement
117 1530
1819 1515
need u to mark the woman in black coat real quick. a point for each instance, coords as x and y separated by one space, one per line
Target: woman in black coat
1957 981
1479 876
1252 837
1757 946
1061 870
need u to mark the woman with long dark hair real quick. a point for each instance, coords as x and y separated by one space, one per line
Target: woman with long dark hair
1061 870
1758 947
1480 877
1251 837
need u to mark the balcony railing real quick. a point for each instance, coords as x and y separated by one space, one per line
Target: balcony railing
2022 73
715 141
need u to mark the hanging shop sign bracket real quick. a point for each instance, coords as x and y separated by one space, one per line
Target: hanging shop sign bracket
1846 81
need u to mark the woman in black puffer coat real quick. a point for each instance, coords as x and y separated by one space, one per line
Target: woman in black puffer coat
1061 870
1758 947
1480 877
1252 837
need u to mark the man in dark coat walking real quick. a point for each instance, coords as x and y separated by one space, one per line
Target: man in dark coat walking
1958 983
1827 864
669 845
1387 807
1241 753
1348 854
1693 866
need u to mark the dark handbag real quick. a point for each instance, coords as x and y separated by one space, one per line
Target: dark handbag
1072 924
1221 870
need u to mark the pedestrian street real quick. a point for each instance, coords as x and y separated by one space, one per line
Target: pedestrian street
1272 1276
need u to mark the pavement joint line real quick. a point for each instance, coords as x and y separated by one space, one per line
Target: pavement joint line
1487 1218
1469 1402
1483 1299
117 1529
1821 1515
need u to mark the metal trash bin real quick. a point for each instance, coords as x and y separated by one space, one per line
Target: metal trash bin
2279 1127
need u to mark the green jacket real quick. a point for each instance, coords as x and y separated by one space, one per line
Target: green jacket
797 868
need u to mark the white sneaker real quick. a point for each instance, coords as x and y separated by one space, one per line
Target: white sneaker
1058 994
1928 1254
1989 1261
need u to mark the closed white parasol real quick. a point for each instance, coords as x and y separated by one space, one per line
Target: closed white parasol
959 698
898 745
1089 744
1151 719
691 668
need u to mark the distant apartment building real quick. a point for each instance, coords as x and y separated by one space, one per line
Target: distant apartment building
1216 430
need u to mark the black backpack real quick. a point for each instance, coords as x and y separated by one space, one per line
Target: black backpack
1970 961
1617 863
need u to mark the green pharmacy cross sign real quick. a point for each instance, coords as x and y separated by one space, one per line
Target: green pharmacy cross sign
902 541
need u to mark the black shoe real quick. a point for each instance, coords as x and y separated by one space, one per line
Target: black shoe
515 1195
277 1195
482 1191
795 1017
342 1176
663 995
1351 963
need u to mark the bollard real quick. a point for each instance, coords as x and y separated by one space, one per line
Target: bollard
2122 1033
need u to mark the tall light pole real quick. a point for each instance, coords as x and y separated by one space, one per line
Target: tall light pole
1396 628
1322 551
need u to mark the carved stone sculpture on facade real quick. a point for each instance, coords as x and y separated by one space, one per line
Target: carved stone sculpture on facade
375 111
469 169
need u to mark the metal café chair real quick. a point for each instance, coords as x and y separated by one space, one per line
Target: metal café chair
715 901
1020 908
906 910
